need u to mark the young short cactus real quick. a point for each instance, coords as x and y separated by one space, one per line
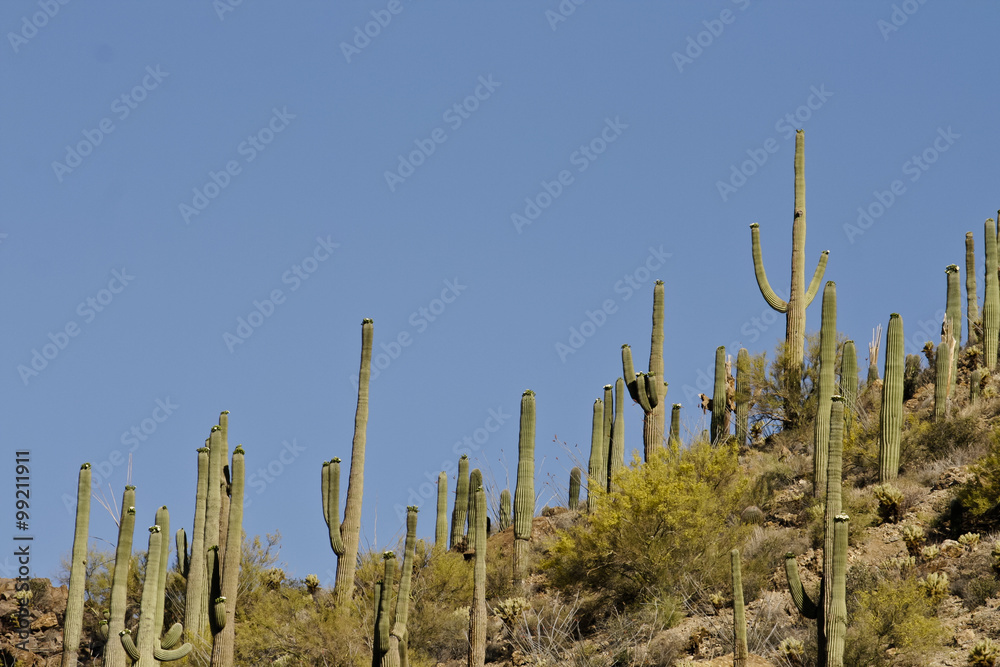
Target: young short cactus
574 488
73 623
524 492
675 425
945 370
891 412
503 521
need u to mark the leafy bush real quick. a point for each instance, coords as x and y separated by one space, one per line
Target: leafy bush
979 495
669 525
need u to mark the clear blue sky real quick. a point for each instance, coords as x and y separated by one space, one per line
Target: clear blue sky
167 168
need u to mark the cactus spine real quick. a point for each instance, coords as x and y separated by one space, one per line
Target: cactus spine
827 371
524 492
574 488
743 393
505 510
799 297
460 512
648 390
849 384
972 304
991 300
441 525
891 412
616 450
477 611
675 425
398 638
350 529
720 412
475 481
73 623
739 614
598 453
114 652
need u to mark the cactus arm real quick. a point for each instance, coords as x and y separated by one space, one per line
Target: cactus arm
675 426
773 300
475 481
505 510
628 371
817 278
331 484
801 599
163 655
172 636
129 645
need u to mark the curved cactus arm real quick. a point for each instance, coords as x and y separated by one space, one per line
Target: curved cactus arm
172 636
163 655
331 505
643 384
218 615
129 645
817 278
773 300
102 631
799 596
628 370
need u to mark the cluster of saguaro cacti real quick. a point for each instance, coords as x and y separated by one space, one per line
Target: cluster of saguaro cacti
830 609
73 620
827 373
890 421
524 492
799 297
649 389
477 611
389 648
344 536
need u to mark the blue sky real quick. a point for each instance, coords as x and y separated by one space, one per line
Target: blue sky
480 179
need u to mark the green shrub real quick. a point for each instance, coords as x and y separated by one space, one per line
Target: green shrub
932 441
668 530
979 495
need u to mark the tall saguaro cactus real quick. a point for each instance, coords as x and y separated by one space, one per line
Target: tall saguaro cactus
991 299
224 596
383 623
114 652
574 488
827 376
743 395
195 612
890 420
399 635
475 481
649 389
350 530
849 384
972 304
73 623
477 611
524 492
441 523
460 512
598 453
720 407
616 447
799 297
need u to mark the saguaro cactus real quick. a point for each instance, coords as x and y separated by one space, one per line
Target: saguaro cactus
598 453
114 652
743 394
460 512
574 488
441 525
224 596
616 448
739 614
972 304
524 492
195 612
991 299
73 623
383 622
720 407
475 481
799 297
945 368
505 510
675 425
477 611
399 636
849 384
827 374
890 421
873 347
648 390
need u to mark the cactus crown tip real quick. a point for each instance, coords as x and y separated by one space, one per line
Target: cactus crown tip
607 386
215 428
154 529
85 466
203 450
335 459
842 517
754 225
951 268
463 457
626 346
893 315
130 510
239 450
659 282
224 412
528 392
412 508
130 487
388 554
367 320
836 397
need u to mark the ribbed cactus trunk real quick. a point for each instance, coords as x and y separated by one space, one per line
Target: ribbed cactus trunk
720 412
836 628
953 303
524 492
224 645
890 422
834 495
675 425
475 481
114 652
505 510
739 613
743 393
73 620
991 299
383 609
944 372
213 510
827 378
477 611
799 297
148 630
616 448
460 512
598 454
849 384
195 614
398 637
350 529
574 488
972 303
441 523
